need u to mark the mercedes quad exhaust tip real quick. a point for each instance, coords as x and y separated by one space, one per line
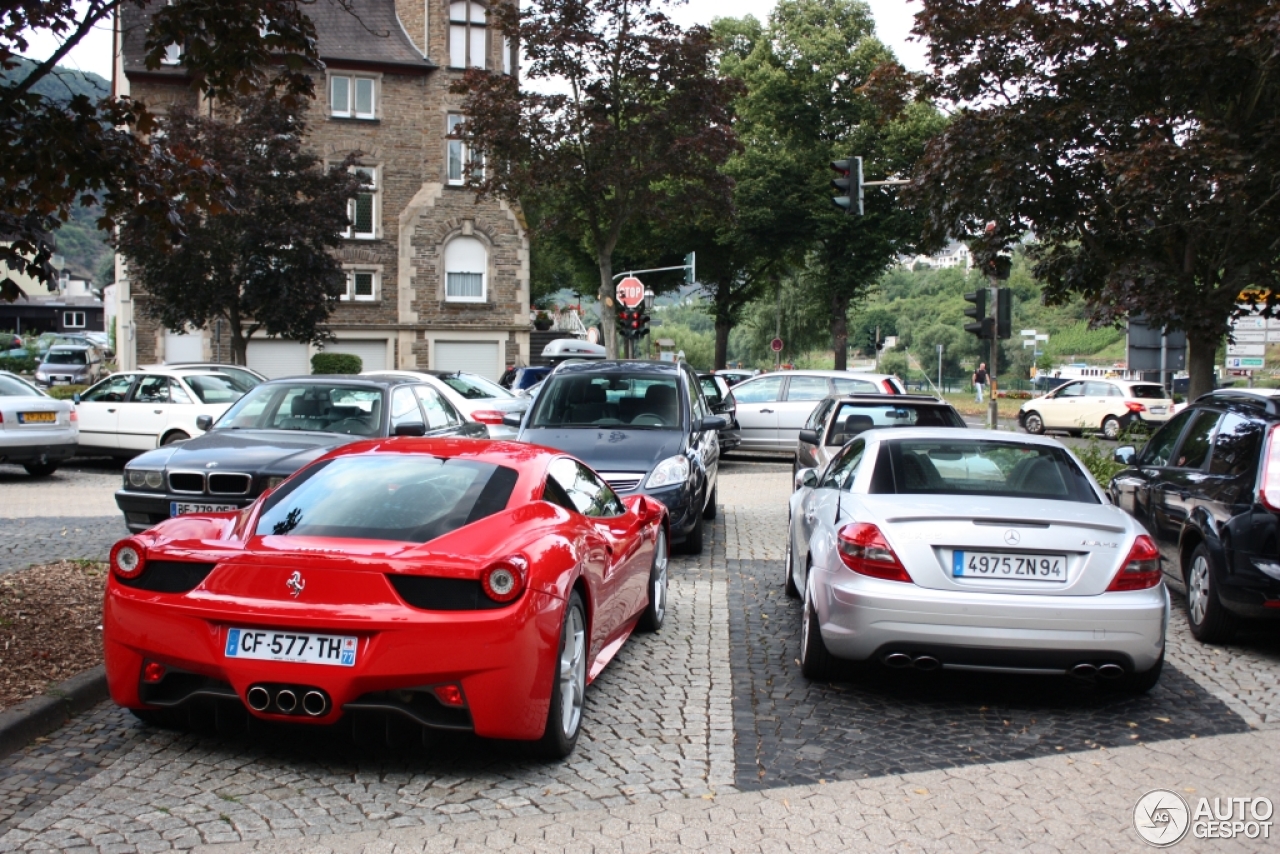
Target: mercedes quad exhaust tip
1110 671
1084 670
901 660
897 659
258 698
926 662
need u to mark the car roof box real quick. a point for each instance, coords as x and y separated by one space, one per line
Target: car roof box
573 348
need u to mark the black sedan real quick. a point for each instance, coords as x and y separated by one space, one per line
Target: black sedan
273 431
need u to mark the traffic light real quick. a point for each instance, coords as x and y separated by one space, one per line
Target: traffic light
626 317
691 268
1004 313
642 324
871 341
983 326
850 184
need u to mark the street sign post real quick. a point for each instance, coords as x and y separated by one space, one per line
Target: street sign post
630 292
776 345
1246 362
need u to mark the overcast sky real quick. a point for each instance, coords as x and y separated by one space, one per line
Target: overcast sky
893 26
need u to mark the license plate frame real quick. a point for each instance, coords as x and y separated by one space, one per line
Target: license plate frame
279 645
985 565
37 418
186 508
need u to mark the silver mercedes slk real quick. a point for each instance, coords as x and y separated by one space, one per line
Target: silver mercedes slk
972 550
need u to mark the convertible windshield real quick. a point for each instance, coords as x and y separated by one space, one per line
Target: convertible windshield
976 467
318 407
401 497
614 399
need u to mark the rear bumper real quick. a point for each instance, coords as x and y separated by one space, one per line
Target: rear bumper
143 510
50 449
865 618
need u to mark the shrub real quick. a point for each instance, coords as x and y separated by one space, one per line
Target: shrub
65 392
336 363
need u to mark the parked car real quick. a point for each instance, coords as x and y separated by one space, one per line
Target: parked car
36 431
518 379
1106 405
45 340
245 378
905 558
441 584
838 419
478 398
70 364
644 426
271 432
134 411
773 408
733 376
1207 485
716 390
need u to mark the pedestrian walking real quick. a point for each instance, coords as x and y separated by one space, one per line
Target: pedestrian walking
979 380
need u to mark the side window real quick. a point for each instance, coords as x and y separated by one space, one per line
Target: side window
1160 447
1097 389
177 393
1196 442
588 494
808 388
846 386
152 390
404 408
697 408
111 390
759 391
1071 390
439 413
842 469
819 415
1235 448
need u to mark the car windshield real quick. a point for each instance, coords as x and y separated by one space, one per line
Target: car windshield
67 357
981 467
215 388
1149 391
617 399
850 419
313 406
474 387
14 387
402 497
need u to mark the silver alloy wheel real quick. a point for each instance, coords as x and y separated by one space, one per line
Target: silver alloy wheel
659 578
1033 423
1198 589
573 673
1111 428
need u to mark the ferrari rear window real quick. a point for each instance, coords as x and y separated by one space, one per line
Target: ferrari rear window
401 497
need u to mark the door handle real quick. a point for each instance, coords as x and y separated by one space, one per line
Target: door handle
158 411
770 411
111 410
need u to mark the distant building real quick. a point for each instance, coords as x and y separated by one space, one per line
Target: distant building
69 304
956 254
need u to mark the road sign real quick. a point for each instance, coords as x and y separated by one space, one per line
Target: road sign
631 292
1245 362
1027 333
1246 349
1251 336
776 345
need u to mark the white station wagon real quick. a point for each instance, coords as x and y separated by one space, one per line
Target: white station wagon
134 411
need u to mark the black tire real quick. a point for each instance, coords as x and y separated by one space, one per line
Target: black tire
162 718
1137 683
1033 423
788 562
560 736
175 436
656 612
1209 621
709 512
1111 427
40 469
692 544
816 662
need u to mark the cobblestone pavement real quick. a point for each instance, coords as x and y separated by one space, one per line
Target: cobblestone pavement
69 515
659 768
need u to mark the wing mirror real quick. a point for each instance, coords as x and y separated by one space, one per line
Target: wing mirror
204 422
1124 455
513 419
714 422
75 398
809 437
806 478
411 428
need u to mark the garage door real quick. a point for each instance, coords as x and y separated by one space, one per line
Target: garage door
476 357
373 354
279 358
180 347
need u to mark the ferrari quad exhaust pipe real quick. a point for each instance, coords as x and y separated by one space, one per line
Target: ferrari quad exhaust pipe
286 701
1110 671
314 703
258 698
897 659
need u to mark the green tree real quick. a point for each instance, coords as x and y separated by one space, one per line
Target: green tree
268 264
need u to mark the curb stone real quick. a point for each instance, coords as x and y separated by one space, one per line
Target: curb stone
41 715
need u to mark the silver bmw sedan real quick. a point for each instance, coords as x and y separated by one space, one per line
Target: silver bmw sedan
972 550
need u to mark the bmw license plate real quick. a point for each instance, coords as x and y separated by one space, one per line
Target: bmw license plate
182 508
1013 567
297 647
37 417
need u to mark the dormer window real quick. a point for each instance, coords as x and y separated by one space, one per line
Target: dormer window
467 35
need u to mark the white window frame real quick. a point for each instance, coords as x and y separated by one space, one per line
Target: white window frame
69 318
465 27
349 109
350 294
375 181
484 272
457 151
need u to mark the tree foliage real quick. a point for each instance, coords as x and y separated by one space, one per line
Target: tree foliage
1138 140
266 264
636 119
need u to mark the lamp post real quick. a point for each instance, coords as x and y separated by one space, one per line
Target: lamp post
648 309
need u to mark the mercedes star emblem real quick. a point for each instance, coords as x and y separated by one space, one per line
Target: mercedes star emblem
1011 537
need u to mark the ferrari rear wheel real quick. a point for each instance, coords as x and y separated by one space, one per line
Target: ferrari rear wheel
568 690
656 613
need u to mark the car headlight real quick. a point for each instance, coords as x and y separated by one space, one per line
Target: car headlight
138 478
673 471
40 375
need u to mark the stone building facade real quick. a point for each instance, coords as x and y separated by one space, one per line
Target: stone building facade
436 279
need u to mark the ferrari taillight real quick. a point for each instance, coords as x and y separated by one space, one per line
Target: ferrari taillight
128 558
864 549
504 581
1141 568
487 416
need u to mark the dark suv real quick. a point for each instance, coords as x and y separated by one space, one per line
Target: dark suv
1207 486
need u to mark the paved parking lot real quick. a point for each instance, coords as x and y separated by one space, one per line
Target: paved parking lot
69 515
702 736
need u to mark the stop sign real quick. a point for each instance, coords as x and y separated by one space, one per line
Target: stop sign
630 292
776 345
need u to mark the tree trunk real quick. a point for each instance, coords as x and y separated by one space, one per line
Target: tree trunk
840 330
608 311
1202 349
239 342
722 343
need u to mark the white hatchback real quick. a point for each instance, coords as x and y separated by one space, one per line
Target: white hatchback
135 411
1106 405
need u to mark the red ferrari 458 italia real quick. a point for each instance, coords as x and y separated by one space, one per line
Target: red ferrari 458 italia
455 584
